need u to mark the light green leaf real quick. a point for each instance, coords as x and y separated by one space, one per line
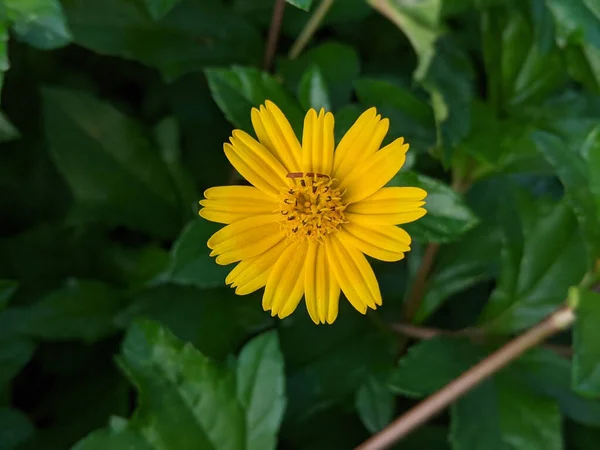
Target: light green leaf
188 39
114 438
447 218
238 89
7 289
542 256
312 92
159 8
40 23
338 63
374 404
261 391
586 359
190 263
15 428
302 4
89 139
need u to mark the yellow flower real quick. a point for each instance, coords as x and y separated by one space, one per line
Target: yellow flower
312 214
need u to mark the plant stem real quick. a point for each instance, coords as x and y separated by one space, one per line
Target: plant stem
274 28
310 28
556 322
417 291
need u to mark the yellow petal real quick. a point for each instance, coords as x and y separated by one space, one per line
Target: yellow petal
254 162
275 133
245 238
374 172
362 140
285 284
388 206
227 204
317 142
252 274
353 273
321 289
385 242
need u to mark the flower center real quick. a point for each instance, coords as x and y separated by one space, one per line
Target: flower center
311 207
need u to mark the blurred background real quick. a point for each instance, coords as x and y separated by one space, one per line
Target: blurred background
116 328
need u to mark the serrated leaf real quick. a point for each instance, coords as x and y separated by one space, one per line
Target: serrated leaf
339 64
40 23
542 256
586 358
238 89
302 4
187 39
447 218
159 8
261 390
312 92
15 428
89 139
190 263
374 404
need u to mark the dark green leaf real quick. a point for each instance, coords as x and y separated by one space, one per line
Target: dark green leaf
117 437
40 23
188 39
261 391
338 63
15 428
579 171
7 289
8 132
447 218
159 8
586 359
374 404
312 92
15 353
190 262
302 4
542 256
89 140
238 89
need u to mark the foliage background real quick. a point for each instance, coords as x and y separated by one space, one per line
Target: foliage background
114 115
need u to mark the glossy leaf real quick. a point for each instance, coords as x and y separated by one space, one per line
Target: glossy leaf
302 4
188 39
374 404
312 92
89 139
447 218
586 359
15 428
238 89
40 23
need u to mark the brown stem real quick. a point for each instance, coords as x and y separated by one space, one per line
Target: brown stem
556 322
276 19
414 298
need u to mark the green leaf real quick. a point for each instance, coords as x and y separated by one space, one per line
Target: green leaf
338 63
80 310
261 390
15 428
542 256
302 4
7 289
374 404
90 139
190 263
509 417
238 89
159 8
8 132
447 218
15 352
586 359
188 39
188 402
312 92
40 23
579 172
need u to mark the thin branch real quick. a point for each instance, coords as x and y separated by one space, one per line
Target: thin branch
417 291
309 29
561 319
275 27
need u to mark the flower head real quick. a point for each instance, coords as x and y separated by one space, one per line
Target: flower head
312 213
